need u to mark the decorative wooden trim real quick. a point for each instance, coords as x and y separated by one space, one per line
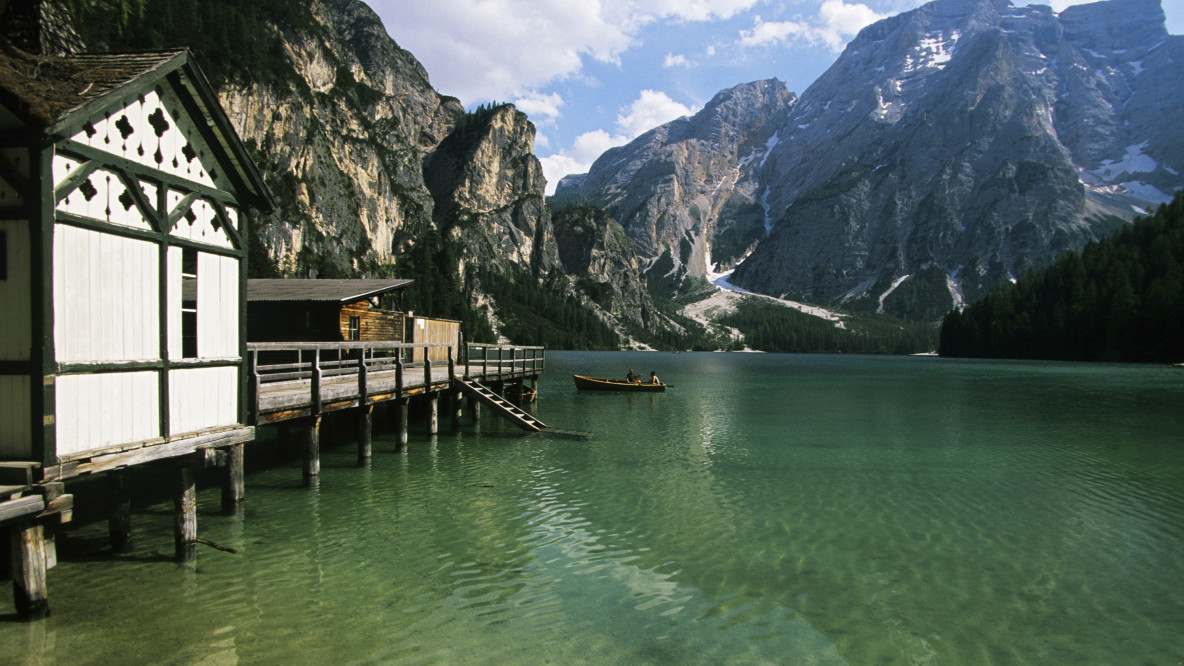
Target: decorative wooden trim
70 148
236 237
171 217
135 187
67 185
140 234
76 119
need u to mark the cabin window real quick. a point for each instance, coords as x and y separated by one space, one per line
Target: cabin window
188 303
3 256
355 328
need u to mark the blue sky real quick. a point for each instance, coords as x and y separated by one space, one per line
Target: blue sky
592 74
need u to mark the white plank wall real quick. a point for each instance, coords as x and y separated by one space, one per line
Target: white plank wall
217 306
16 441
107 409
106 297
173 303
202 398
16 338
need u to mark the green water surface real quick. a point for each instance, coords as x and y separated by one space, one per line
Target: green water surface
767 509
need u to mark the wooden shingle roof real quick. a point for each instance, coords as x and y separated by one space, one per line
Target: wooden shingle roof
47 90
337 291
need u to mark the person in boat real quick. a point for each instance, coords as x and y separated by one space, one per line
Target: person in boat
654 377
632 378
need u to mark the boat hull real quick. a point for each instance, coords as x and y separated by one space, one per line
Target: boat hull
584 383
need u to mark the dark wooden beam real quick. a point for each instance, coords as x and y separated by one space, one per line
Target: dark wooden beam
119 521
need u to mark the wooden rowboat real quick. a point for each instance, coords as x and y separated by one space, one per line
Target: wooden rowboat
597 384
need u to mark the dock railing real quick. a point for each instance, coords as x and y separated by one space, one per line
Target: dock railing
288 379
502 361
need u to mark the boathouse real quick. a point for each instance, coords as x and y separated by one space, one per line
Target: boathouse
124 193
325 310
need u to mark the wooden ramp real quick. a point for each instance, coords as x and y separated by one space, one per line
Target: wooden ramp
501 405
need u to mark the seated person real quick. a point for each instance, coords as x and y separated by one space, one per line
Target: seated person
632 378
654 377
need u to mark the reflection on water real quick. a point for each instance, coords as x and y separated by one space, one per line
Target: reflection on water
775 509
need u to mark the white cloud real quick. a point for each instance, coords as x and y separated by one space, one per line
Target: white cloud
835 24
675 60
843 21
765 33
540 105
493 50
650 109
587 147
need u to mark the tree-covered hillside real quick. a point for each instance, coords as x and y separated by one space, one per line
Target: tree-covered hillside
776 328
1120 299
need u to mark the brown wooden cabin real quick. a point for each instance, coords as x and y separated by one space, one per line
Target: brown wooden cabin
325 310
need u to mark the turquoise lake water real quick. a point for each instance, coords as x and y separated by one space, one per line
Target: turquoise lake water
786 509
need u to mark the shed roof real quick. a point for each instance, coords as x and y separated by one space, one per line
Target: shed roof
339 291
59 94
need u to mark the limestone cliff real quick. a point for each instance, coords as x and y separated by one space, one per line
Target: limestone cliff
366 160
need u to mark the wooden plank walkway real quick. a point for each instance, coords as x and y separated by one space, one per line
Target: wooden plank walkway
294 380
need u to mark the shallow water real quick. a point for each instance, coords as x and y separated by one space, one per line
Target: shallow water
767 509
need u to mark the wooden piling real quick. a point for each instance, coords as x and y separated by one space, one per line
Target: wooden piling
400 424
457 405
365 429
119 522
475 410
185 514
233 488
311 442
30 591
433 413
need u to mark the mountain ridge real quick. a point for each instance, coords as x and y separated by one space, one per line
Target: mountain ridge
947 150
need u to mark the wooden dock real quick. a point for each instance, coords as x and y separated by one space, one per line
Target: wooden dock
303 382
294 380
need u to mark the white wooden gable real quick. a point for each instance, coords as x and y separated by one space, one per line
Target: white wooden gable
154 131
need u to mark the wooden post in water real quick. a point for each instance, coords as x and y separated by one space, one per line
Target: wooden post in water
457 407
365 429
400 424
311 443
475 409
233 488
119 522
30 591
433 413
185 514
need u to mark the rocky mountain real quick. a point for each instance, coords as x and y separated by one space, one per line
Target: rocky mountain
947 150
375 172
690 187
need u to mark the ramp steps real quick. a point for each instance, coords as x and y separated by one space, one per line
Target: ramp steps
503 407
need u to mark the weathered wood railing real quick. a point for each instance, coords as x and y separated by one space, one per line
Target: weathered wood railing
497 361
292 379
